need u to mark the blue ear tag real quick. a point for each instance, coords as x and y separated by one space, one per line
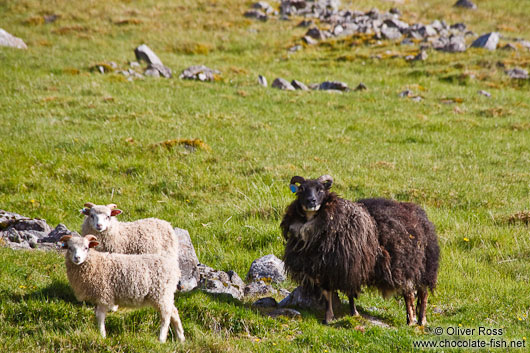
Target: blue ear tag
293 188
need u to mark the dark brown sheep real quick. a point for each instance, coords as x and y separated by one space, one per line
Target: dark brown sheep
336 244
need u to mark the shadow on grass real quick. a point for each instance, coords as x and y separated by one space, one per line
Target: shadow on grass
56 290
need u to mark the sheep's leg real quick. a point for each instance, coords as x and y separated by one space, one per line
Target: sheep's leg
328 295
353 308
177 325
165 314
422 305
409 302
101 313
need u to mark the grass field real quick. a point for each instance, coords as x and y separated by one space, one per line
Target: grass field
71 135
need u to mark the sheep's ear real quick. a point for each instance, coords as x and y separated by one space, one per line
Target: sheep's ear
93 244
115 212
326 180
90 237
293 188
112 206
85 211
297 180
89 204
64 240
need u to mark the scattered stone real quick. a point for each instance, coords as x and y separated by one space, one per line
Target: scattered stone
333 85
134 64
517 73
308 40
267 302
405 93
299 85
488 41
268 267
51 18
199 72
305 23
390 32
8 40
395 11
295 48
316 33
484 93
524 43
264 6
262 81
416 98
437 310
509 46
422 56
361 87
151 72
188 261
281 83
467 4
257 14
258 288
452 44
143 52
218 282
162 70
407 41
460 27
291 313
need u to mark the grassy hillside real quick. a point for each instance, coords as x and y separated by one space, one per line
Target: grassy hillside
71 135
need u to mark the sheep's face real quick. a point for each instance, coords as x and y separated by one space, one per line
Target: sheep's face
312 192
78 247
99 217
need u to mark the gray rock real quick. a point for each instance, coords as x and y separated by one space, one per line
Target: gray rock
235 279
143 52
264 6
296 48
199 72
257 14
299 85
305 23
9 218
460 27
188 261
488 41
262 80
162 70
217 282
268 302
51 18
55 235
517 73
422 55
509 46
427 31
291 313
453 44
337 30
333 85
134 64
467 4
304 299
361 87
283 84
316 33
258 288
405 93
484 93
407 41
395 23
390 32
8 40
308 40
524 43
151 72
268 267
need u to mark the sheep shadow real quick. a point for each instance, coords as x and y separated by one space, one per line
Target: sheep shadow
57 290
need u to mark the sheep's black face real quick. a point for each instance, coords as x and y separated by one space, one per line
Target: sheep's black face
312 192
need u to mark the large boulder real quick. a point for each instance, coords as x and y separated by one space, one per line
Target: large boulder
9 40
188 261
309 299
267 268
488 41
143 52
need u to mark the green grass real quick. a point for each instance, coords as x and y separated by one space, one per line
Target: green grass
66 136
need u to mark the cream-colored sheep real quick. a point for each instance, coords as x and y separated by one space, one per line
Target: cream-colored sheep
144 236
106 279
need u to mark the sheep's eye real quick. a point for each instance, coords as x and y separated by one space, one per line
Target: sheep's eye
86 247
108 217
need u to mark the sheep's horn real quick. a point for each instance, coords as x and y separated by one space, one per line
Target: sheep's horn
89 204
112 206
327 180
297 179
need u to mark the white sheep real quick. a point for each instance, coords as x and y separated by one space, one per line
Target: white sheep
106 280
144 236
